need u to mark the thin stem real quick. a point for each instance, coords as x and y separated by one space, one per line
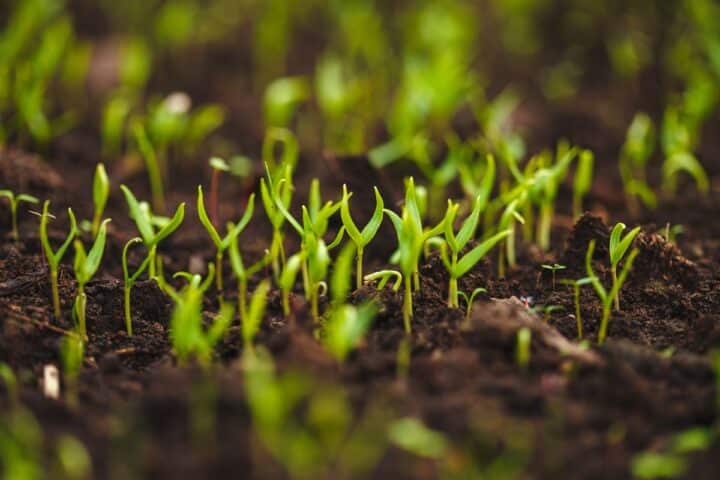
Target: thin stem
152 268
613 270
359 269
416 280
453 292
128 314
604 322
407 304
219 274
81 302
544 225
314 309
242 300
55 292
13 213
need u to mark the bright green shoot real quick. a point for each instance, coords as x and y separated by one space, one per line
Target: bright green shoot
523 343
223 243
361 238
383 277
86 265
254 315
72 352
287 279
129 280
582 181
101 191
54 257
147 151
606 297
508 219
619 246
242 274
147 223
458 266
272 193
636 151
15 200
577 285
470 300
553 268
678 142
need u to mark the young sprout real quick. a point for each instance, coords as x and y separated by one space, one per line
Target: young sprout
129 281
577 284
114 116
290 150
282 98
361 238
147 151
470 300
677 141
554 268
507 222
86 264
347 323
222 244
547 310
101 191
522 347
243 274
15 200
272 193
384 277
54 257
218 166
287 279
618 248
606 298
188 335
253 317
458 266
583 180
72 351
671 232
636 151
147 223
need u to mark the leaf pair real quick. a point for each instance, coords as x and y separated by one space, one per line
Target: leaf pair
146 221
222 243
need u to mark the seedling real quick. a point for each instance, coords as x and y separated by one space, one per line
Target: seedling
15 200
147 151
671 232
72 352
677 142
222 244
523 342
606 298
271 194
218 166
147 223
243 274
470 300
282 98
576 285
361 238
554 268
618 248
101 191
129 280
86 264
253 317
546 310
637 150
54 257
287 279
583 180
507 222
384 277
189 338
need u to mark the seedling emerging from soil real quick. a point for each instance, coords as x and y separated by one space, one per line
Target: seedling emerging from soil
583 180
470 300
218 166
507 222
147 151
101 191
638 147
272 193
129 281
456 266
287 279
146 223
86 264
384 277
243 274
577 284
54 257
189 336
523 342
254 315
677 145
361 238
618 248
282 98
15 200
606 298
72 352
222 244
554 268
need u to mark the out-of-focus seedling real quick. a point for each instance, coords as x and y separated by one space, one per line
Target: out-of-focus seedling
54 257
15 200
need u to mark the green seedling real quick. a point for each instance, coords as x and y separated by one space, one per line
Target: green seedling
101 192
149 155
636 151
411 240
190 339
470 300
129 280
153 229
412 435
73 459
54 257
287 279
290 151
384 277
577 285
243 274
361 238
346 324
254 315
547 310
553 268
21 445
72 352
282 99
671 232
582 182
271 194
222 244
523 343
607 297
114 117
677 142
618 248
507 222
15 200
218 165
86 265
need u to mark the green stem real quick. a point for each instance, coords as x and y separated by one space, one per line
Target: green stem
544 225
359 269
242 300
55 292
407 303
219 274
453 293
604 323
13 213
613 270
314 309
128 314
416 280
286 302
81 302
152 268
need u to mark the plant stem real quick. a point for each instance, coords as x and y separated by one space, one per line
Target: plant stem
578 320
242 300
604 322
219 274
407 304
544 225
453 292
613 270
152 268
55 292
314 309
359 269
81 302
13 213
128 314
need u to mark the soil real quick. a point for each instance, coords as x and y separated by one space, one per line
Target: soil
573 413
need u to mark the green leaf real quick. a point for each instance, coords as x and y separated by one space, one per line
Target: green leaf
346 327
255 312
347 220
289 273
171 226
205 220
141 219
94 257
584 173
469 226
221 324
236 261
618 246
372 227
470 259
232 235
101 188
340 281
411 435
